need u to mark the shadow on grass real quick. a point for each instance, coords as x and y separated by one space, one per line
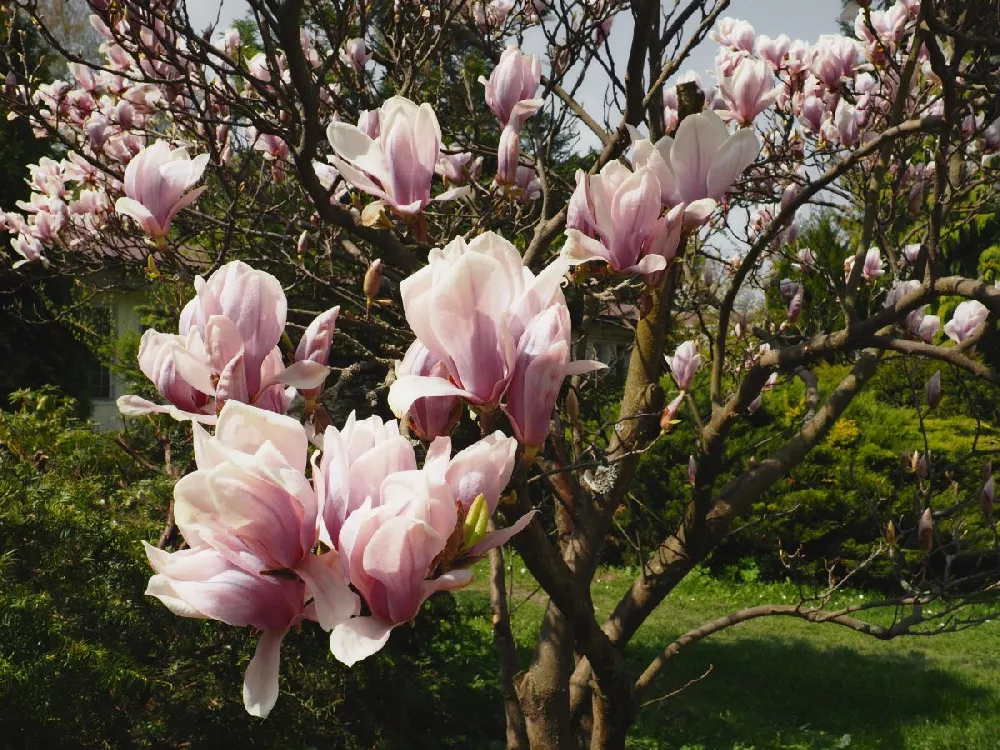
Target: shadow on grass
786 692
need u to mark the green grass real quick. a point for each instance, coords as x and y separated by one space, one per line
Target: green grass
783 683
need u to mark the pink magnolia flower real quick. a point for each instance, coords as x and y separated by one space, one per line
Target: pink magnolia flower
773 51
231 42
834 59
514 80
509 147
889 26
354 462
807 261
354 54
932 390
684 364
158 184
459 169
923 325
796 302
543 356
508 155
470 306
398 165
527 185
225 349
275 150
748 90
699 163
315 345
29 248
668 417
623 208
735 33
846 120
911 253
965 321
434 416
428 526
251 520
872 268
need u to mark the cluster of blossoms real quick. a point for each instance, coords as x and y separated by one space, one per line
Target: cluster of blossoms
509 94
226 348
615 216
105 112
490 333
393 153
269 547
271 543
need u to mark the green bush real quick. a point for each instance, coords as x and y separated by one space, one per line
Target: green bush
832 508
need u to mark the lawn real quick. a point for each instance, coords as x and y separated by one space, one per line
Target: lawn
784 683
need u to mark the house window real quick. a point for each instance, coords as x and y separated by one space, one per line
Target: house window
100 374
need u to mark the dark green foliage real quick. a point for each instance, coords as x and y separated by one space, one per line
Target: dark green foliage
87 661
35 349
834 506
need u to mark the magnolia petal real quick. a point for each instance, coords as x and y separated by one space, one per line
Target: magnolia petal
649 264
326 583
582 366
348 141
142 215
222 341
737 153
183 202
303 374
463 191
359 638
697 213
359 179
136 406
407 389
453 580
580 248
232 384
194 371
499 537
698 139
260 686
246 428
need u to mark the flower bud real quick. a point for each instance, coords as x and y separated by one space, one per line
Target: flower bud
303 242
890 533
684 364
922 467
692 470
373 280
668 418
572 406
925 530
986 499
932 391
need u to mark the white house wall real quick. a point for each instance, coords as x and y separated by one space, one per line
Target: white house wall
104 410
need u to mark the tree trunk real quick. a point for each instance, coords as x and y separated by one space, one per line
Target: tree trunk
544 689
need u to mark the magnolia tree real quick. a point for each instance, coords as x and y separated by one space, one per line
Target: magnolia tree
413 164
